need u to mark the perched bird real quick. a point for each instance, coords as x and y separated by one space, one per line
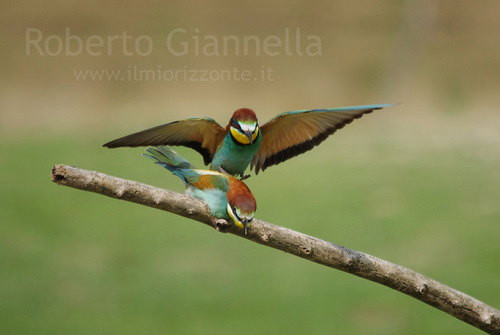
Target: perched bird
227 197
243 142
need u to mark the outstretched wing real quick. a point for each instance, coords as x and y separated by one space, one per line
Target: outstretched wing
293 133
201 134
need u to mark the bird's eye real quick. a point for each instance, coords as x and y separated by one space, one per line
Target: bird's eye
232 212
235 124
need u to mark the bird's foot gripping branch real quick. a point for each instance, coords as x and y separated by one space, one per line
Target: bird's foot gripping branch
222 225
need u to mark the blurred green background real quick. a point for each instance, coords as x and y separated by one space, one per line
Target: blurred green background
417 184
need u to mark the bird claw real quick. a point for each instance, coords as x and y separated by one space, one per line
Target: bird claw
244 176
221 225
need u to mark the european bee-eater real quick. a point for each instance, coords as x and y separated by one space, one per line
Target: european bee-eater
227 197
243 142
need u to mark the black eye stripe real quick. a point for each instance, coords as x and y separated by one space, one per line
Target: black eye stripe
235 212
235 124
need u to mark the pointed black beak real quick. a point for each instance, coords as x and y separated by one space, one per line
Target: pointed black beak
245 224
249 135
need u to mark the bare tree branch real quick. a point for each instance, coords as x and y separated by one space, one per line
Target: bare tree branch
357 263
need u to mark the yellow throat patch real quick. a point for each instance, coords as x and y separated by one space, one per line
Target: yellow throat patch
242 138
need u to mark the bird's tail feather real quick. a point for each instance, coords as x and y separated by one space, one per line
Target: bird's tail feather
168 158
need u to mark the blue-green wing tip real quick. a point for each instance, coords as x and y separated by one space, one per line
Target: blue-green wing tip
341 109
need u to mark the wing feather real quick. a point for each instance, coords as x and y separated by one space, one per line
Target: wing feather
293 133
201 134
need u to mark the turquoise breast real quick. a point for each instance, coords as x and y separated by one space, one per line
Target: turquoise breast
234 158
214 198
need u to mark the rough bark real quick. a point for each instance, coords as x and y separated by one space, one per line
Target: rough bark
451 301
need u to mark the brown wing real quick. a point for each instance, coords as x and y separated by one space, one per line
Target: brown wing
293 133
201 134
